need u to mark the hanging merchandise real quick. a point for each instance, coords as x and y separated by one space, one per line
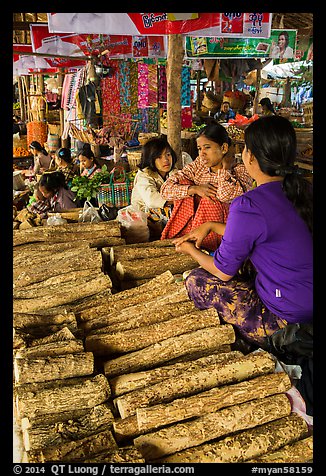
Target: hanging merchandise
142 85
185 86
37 131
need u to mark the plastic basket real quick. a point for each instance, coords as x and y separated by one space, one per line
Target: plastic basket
117 192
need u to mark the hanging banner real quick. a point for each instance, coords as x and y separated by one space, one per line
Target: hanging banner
206 24
26 64
283 46
110 46
217 47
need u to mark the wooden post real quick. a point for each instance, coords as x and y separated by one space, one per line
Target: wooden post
41 91
173 77
21 99
61 111
198 100
258 83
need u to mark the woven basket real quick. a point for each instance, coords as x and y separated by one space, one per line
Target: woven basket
116 193
308 111
134 159
144 137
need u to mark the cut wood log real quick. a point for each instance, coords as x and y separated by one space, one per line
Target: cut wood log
24 321
142 315
61 335
51 349
126 429
245 444
61 396
63 294
212 425
92 259
186 344
129 382
97 419
299 452
77 451
42 369
192 382
67 232
151 267
211 401
122 455
126 253
53 285
38 247
114 309
135 339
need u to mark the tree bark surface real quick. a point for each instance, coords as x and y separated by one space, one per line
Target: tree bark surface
211 401
155 354
130 382
122 455
77 451
127 254
145 316
151 267
212 425
298 452
136 339
245 444
97 419
192 382
61 396
43 369
51 349
64 294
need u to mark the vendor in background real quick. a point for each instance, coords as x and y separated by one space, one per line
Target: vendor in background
225 113
64 163
157 164
53 187
267 107
42 159
203 190
270 225
88 164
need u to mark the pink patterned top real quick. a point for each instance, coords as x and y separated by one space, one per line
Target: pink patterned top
232 183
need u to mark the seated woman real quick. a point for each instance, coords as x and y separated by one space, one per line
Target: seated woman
53 187
88 164
64 163
270 225
42 159
203 189
157 164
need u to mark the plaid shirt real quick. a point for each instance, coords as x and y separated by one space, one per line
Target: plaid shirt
232 183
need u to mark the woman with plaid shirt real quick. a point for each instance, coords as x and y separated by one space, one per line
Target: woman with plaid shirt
203 190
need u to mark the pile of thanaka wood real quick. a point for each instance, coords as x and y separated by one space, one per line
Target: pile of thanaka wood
134 264
135 376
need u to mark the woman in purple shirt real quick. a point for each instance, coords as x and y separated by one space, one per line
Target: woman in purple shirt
270 227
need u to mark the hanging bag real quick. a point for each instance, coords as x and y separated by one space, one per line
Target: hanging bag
117 192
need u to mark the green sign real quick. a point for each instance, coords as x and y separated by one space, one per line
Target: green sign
222 47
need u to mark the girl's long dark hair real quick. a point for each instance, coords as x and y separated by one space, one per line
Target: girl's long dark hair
52 181
37 146
272 140
152 150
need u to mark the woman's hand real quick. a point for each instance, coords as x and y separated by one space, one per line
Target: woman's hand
196 236
185 247
204 190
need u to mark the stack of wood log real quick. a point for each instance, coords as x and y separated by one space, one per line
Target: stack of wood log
134 264
140 375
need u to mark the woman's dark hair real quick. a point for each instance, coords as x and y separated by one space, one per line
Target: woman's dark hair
272 140
267 102
286 36
215 132
86 151
37 146
52 181
152 150
64 154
